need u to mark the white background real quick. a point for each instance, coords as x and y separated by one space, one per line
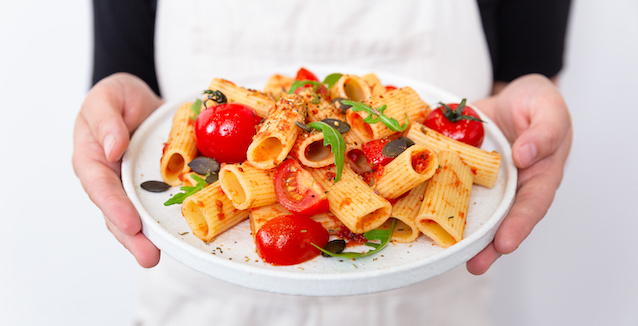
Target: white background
60 266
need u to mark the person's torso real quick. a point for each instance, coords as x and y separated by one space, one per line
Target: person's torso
440 42
437 41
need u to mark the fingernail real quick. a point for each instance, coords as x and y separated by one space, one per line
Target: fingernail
526 154
109 142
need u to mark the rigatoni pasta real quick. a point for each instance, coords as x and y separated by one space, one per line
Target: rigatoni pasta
483 164
260 102
351 87
181 147
443 212
412 167
209 212
278 133
352 200
403 104
247 186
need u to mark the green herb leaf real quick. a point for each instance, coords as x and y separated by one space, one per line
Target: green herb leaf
179 197
383 236
377 115
302 83
332 138
196 107
332 79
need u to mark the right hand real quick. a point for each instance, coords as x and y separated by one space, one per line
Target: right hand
112 110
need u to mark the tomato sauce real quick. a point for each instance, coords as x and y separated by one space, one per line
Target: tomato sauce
420 161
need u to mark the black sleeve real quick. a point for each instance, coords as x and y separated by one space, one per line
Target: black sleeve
525 36
123 39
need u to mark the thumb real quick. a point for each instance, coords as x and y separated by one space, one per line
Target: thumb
547 130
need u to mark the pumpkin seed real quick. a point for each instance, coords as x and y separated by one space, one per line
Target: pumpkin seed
397 146
155 186
340 105
335 246
204 165
303 126
214 176
340 125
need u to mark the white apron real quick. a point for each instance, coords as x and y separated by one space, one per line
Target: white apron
438 41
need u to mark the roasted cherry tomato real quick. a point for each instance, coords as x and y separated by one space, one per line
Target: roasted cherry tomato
373 152
298 191
304 74
286 240
457 121
225 131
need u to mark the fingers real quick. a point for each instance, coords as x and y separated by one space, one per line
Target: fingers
113 109
533 115
102 111
550 125
101 180
146 254
480 263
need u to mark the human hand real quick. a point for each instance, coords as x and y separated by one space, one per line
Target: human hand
112 110
533 116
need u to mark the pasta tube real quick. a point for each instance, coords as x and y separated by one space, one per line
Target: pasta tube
247 186
309 150
277 135
181 147
351 200
401 103
483 164
443 212
375 84
260 102
278 85
405 211
209 212
415 165
351 87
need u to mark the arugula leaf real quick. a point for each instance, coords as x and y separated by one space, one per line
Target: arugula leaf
376 115
329 81
301 83
383 236
179 197
332 79
333 138
196 107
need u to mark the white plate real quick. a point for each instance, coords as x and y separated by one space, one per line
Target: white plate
231 257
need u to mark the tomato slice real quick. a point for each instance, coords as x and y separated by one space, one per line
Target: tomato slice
304 74
298 191
373 150
287 240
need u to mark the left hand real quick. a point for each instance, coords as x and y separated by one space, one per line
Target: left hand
533 116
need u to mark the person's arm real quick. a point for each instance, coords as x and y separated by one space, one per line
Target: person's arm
124 39
526 40
116 105
533 116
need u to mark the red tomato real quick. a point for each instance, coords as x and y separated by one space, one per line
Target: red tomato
225 131
298 191
286 240
373 152
457 121
304 74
